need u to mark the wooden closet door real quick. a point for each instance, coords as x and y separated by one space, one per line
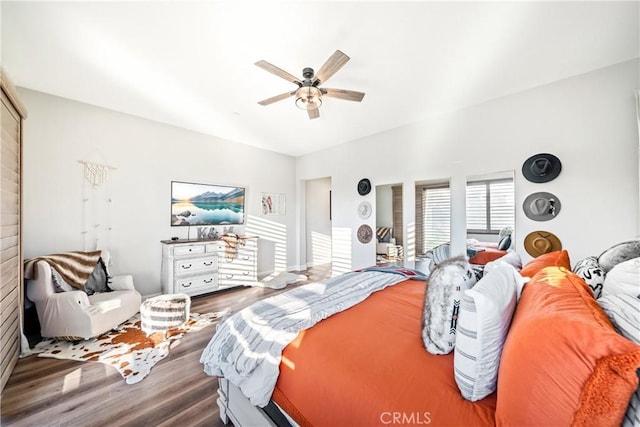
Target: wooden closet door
10 241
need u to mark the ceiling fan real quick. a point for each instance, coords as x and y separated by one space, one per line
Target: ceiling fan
309 95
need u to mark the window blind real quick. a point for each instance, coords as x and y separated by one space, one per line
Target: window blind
490 206
436 213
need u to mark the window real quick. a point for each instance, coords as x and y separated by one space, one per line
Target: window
433 216
490 206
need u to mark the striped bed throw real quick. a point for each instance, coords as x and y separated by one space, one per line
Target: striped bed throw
163 312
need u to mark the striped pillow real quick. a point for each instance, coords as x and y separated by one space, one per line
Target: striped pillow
485 315
383 234
624 312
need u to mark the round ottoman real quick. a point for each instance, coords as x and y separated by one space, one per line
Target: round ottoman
163 312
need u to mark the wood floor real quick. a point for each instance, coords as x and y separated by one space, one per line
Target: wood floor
50 392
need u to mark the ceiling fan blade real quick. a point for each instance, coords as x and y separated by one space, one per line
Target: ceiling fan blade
348 95
277 98
313 114
278 72
329 68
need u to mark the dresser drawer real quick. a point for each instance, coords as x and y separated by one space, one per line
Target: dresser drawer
242 258
221 246
195 265
188 250
208 282
233 277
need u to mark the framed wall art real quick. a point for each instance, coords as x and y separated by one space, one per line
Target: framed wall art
273 204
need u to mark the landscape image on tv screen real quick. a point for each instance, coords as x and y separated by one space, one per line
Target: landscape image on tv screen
204 204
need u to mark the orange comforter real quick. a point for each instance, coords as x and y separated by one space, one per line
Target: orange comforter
367 366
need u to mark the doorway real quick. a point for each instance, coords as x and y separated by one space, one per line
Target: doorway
318 222
389 224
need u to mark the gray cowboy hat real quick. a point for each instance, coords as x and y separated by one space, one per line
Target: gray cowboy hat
541 206
541 167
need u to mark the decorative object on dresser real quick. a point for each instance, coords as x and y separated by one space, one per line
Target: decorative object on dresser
196 267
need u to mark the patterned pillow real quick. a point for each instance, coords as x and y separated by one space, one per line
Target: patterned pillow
485 315
383 234
624 312
438 254
442 303
504 243
619 253
590 271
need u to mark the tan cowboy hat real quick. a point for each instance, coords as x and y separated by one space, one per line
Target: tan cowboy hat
541 242
541 206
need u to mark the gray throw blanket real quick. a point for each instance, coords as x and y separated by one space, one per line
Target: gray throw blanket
247 347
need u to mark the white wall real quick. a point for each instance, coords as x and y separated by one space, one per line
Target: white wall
588 121
384 206
147 156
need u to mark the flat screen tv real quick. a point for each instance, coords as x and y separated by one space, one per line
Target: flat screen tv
204 204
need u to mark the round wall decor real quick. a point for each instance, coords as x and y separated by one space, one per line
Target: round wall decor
364 210
365 233
364 186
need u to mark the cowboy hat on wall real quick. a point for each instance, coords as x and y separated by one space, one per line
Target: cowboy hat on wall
541 206
541 167
541 242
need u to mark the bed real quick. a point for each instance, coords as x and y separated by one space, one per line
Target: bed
366 365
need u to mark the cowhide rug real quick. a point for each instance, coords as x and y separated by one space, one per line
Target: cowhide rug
128 349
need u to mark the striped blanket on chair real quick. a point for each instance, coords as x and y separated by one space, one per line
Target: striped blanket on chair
74 267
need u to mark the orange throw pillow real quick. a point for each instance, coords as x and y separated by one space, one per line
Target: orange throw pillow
563 363
552 259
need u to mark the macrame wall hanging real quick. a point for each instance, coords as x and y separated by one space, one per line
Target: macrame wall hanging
96 224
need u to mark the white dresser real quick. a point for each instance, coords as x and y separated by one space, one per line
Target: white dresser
197 267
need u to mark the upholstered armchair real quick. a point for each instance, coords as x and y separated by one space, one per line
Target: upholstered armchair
73 314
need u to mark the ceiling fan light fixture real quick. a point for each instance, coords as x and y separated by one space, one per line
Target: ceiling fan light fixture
308 98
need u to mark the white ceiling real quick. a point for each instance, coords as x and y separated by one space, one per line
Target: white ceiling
191 64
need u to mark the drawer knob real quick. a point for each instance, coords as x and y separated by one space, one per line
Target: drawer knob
184 285
208 263
186 267
208 280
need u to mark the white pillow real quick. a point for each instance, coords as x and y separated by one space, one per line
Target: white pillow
512 258
624 278
483 323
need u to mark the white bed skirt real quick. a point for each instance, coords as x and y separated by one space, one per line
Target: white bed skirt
235 407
